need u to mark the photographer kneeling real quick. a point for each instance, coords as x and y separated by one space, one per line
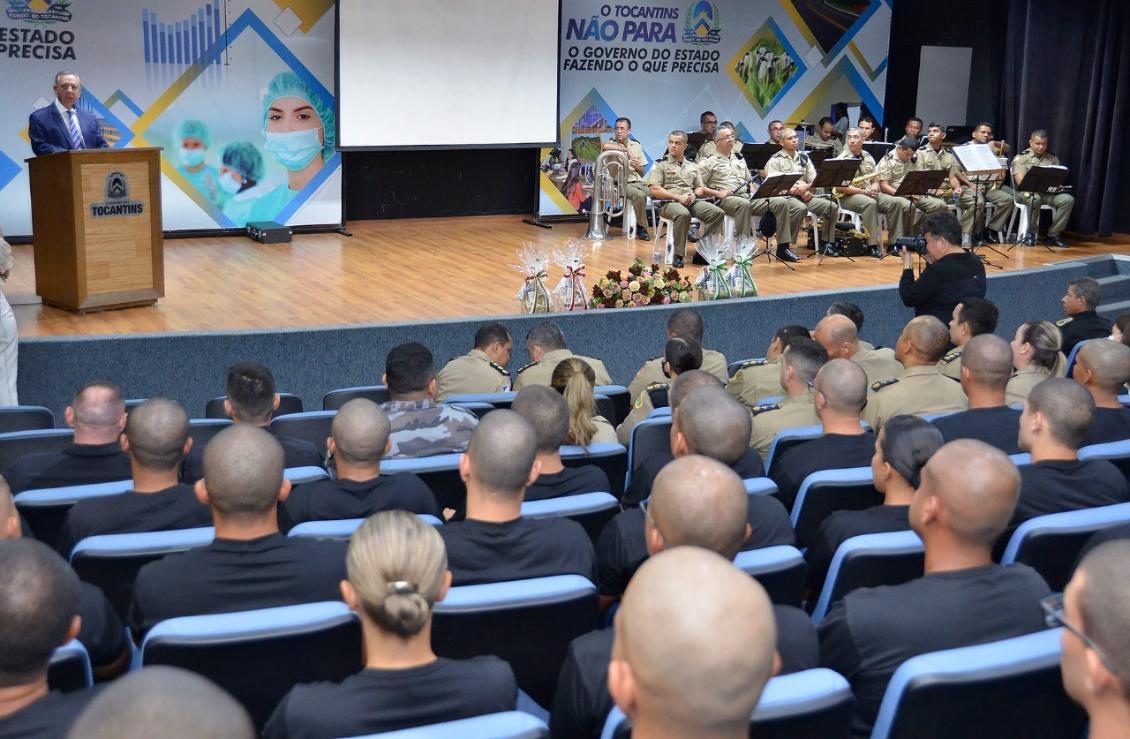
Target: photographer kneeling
952 274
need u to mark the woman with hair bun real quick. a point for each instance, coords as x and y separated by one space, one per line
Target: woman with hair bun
397 572
1036 356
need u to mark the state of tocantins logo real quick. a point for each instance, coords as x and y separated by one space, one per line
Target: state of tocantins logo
40 11
702 24
117 199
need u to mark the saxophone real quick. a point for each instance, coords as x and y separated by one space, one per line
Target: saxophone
856 182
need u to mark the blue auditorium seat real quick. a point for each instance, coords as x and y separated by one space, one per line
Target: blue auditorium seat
870 560
299 475
440 472
785 440
203 429
288 403
45 509
335 399
591 510
25 418
781 570
611 458
69 669
1051 543
310 426
649 436
760 486
827 491
343 528
1117 452
16 444
621 402
508 725
1071 359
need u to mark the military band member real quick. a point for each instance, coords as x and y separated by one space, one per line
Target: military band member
776 128
914 128
991 193
863 196
709 148
870 129
481 370
725 176
825 138
636 192
1036 155
902 216
789 161
677 181
934 156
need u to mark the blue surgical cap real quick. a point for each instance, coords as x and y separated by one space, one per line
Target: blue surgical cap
287 84
243 157
191 129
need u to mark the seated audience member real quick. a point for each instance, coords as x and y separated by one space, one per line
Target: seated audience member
156 439
98 415
548 414
1120 328
100 630
1103 367
1095 613
840 338
546 346
250 564
397 573
1036 357
1079 305
697 502
481 370
802 359
708 423
855 313
684 323
966 497
761 378
252 400
748 465
358 439
421 427
985 368
167 702
1055 420
902 448
679 356
675 670
39 610
971 318
495 543
575 381
839 392
921 388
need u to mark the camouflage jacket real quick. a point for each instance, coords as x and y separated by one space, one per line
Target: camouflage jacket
421 428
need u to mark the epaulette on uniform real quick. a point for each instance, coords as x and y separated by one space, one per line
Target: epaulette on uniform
762 408
877 386
655 359
752 363
950 356
656 385
502 370
1065 321
523 369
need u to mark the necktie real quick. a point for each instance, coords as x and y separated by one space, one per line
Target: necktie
72 124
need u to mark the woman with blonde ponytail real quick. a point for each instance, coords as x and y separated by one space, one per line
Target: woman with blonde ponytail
575 380
397 570
1036 356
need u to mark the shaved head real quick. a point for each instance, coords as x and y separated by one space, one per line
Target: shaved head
38 600
688 381
843 383
697 501
928 338
547 412
157 431
502 452
243 471
973 487
98 405
838 334
989 360
1108 361
360 432
674 659
714 424
1102 592
1068 410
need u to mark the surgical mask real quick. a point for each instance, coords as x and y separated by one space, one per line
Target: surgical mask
192 157
294 149
229 184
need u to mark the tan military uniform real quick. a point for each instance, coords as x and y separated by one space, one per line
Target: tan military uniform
929 158
1001 201
681 178
636 191
729 173
471 373
950 364
902 216
1022 383
605 431
756 379
784 163
710 149
652 371
1061 203
641 409
918 391
867 208
791 412
833 144
867 346
540 373
879 365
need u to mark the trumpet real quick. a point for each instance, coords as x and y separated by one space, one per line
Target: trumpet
608 192
856 182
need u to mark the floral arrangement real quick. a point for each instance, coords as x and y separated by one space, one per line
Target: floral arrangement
533 295
570 293
642 284
712 282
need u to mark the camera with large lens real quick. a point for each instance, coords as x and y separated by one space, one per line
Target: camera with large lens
916 244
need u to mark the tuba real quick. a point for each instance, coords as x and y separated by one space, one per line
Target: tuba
608 192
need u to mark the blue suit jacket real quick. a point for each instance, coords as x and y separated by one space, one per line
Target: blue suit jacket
49 134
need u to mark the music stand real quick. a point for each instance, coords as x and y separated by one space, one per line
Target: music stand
819 156
981 167
757 155
877 149
775 185
921 182
834 173
1042 180
695 141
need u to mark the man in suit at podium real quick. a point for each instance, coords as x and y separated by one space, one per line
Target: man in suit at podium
61 126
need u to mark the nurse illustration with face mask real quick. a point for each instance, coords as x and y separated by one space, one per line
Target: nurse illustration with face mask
191 139
299 132
239 179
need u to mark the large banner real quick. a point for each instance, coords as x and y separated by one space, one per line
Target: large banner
661 64
238 92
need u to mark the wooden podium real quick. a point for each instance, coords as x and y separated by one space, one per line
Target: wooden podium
96 224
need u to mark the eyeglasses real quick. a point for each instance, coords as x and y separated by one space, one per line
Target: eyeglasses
647 514
1053 617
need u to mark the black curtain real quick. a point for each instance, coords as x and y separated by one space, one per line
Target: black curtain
1067 70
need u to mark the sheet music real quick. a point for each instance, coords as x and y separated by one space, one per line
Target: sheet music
977 159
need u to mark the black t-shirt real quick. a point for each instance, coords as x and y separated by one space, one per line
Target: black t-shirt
230 575
748 466
582 703
829 452
172 508
570 481
1109 424
296 453
375 701
621 548
483 551
998 427
868 634
1056 486
101 630
1082 326
841 526
50 717
77 464
942 285
332 500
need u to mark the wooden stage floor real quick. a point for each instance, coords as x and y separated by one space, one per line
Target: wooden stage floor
402 270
